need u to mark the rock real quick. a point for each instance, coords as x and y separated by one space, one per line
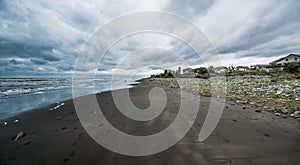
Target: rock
258 111
244 102
16 121
58 118
284 111
297 99
265 107
277 114
296 114
4 123
19 136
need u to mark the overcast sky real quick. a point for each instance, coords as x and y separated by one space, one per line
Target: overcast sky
44 37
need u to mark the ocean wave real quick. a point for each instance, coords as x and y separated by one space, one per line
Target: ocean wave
22 91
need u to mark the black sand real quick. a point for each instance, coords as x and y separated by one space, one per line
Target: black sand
243 136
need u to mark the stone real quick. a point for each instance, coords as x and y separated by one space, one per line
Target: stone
58 118
277 114
4 123
20 135
296 114
284 111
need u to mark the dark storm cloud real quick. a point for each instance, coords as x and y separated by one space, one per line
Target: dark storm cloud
38 61
13 61
189 8
284 23
45 36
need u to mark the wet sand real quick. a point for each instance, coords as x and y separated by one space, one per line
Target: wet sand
242 136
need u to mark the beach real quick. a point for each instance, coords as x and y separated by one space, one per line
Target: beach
243 136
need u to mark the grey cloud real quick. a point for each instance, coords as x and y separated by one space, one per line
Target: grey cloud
65 67
51 58
255 35
38 61
49 34
190 8
14 61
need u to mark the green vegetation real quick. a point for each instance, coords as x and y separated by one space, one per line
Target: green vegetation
287 71
292 67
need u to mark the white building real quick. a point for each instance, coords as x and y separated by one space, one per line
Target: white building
220 69
287 59
242 68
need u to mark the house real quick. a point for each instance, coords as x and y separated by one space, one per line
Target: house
286 59
220 69
188 71
258 66
242 68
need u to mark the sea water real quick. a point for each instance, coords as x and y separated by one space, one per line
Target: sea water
23 94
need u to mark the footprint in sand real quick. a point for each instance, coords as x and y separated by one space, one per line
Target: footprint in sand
72 153
80 136
27 143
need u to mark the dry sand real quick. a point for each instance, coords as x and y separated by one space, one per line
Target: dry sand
242 136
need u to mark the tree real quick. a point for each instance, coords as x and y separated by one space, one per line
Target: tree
292 67
211 69
201 70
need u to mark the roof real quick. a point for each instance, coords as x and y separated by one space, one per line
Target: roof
242 67
220 67
259 65
282 58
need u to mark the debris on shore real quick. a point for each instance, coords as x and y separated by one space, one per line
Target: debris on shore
261 92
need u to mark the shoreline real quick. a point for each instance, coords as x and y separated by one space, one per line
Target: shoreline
242 136
53 104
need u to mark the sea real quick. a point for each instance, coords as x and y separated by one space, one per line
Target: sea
22 94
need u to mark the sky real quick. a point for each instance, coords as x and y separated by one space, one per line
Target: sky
45 38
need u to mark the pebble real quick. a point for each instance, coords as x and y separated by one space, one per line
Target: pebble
284 111
58 118
296 114
277 114
259 91
4 123
19 136
57 106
